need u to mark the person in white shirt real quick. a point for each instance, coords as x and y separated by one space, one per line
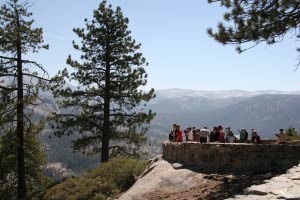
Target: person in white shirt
190 134
204 133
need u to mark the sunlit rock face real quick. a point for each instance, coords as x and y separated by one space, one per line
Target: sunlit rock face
285 186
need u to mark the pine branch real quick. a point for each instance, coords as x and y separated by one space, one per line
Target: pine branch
7 88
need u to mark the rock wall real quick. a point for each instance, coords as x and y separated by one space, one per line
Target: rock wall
234 157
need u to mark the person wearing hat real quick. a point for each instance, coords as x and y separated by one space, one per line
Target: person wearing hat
281 137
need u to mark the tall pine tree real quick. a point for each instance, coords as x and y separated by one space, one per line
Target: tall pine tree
257 21
20 80
106 109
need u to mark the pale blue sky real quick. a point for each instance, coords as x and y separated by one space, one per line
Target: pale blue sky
176 45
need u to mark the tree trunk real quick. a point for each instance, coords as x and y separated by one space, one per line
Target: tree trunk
106 129
20 122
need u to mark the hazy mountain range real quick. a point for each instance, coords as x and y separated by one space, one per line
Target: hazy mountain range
266 111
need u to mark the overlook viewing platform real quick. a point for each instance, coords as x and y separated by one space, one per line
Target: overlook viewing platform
233 157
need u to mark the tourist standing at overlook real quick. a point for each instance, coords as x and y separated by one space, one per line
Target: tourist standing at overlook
178 134
188 134
281 136
172 134
204 133
216 136
246 135
190 137
212 135
221 134
252 131
197 138
255 138
194 133
229 135
243 135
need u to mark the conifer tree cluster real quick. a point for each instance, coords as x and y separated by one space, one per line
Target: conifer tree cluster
20 80
257 21
106 108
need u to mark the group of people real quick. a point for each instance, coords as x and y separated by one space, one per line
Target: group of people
217 134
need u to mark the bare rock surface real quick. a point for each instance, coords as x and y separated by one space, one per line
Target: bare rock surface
177 165
163 178
162 181
285 186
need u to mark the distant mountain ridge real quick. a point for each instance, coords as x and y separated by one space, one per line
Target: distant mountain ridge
220 93
266 110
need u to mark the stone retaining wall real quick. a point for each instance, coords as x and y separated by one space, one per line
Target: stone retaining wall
220 157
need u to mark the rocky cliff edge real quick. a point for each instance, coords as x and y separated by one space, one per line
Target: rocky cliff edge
164 180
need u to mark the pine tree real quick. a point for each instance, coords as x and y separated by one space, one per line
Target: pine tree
20 79
35 180
257 21
106 109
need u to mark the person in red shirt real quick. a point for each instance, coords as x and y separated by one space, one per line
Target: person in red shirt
221 134
179 134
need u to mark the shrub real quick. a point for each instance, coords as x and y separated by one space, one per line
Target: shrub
107 180
81 189
121 171
292 134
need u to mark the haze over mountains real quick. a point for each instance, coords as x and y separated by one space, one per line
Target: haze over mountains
266 111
